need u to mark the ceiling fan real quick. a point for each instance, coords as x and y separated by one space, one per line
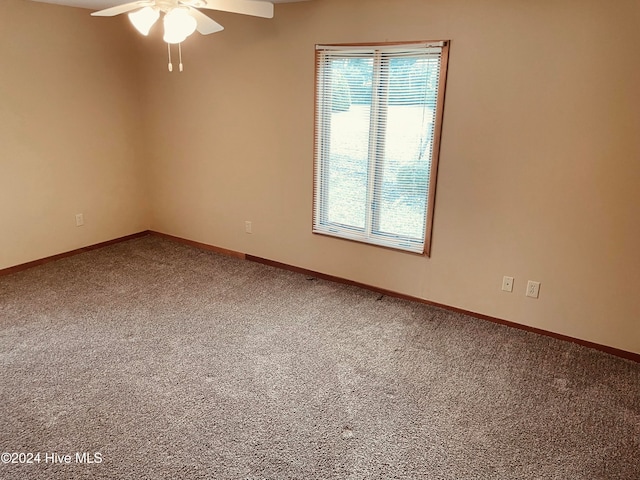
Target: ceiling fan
183 17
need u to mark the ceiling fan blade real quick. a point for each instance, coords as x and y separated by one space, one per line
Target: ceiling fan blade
118 9
205 24
256 8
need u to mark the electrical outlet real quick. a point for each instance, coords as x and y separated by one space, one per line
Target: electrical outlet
507 284
248 227
79 219
533 289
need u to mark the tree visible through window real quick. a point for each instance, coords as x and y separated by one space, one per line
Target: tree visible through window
378 115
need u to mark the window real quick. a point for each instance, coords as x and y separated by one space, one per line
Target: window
378 121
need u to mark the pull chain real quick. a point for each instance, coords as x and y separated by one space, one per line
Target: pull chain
170 65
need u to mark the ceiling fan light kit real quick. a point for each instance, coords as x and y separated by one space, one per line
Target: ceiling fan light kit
144 19
178 25
182 17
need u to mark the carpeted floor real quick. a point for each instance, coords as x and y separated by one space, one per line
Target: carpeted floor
163 361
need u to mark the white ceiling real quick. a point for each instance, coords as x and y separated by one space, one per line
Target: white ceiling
100 4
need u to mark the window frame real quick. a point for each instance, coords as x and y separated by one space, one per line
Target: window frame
346 232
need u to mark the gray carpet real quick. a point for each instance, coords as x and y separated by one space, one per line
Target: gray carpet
171 362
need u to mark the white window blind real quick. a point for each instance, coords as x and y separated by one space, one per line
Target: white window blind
377 127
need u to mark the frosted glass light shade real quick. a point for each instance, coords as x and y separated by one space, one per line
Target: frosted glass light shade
178 25
144 19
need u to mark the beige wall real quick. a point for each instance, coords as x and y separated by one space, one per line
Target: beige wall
69 132
540 161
